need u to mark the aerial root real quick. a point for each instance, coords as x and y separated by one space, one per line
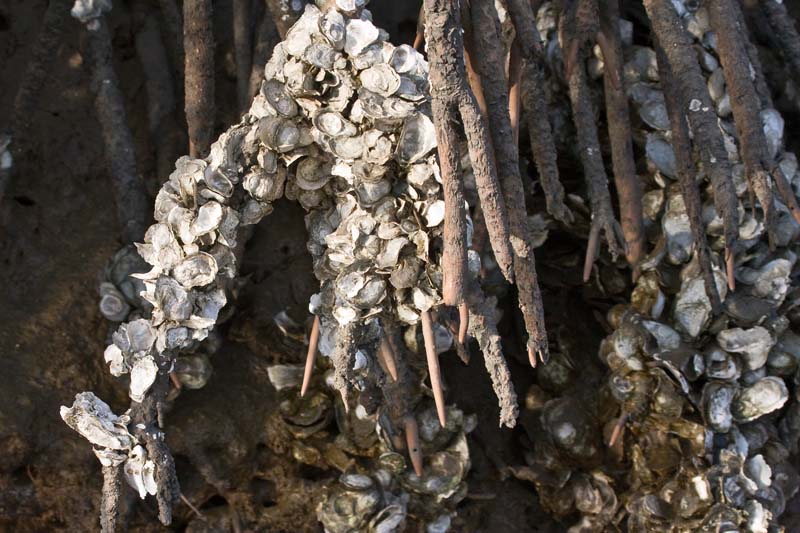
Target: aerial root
682 147
434 371
618 427
311 355
785 30
387 358
483 326
412 443
463 323
173 24
724 17
243 50
448 82
129 192
693 99
109 505
583 116
490 63
629 188
534 103
343 359
198 45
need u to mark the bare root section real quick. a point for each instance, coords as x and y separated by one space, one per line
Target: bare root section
131 198
695 101
449 87
687 178
490 64
534 104
629 189
198 44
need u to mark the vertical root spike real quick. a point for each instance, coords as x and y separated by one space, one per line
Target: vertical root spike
532 356
729 264
618 427
173 377
412 443
386 356
311 356
433 366
463 323
515 90
591 251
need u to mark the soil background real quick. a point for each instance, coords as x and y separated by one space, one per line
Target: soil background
58 229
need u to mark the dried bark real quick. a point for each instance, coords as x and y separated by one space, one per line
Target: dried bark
744 103
130 196
603 220
681 146
732 43
198 44
454 260
695 100
109 505
629 188
33 79
492 76
534 104
243 50
266 39
483 326
449 87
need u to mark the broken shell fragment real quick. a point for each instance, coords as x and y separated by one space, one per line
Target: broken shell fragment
92 418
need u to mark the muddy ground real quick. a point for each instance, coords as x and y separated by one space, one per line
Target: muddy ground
58 228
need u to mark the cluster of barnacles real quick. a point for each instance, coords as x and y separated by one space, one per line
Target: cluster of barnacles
346 123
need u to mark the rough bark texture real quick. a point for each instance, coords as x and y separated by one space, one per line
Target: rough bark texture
454 260
483 326
731 39
535 105
343 359
33 79
448 85
243 50
681 146
132 202
198 44
696 103
490 64
629 188
109 505
592 159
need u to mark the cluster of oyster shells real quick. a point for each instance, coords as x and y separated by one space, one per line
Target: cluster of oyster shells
341 125
703 406
377 492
